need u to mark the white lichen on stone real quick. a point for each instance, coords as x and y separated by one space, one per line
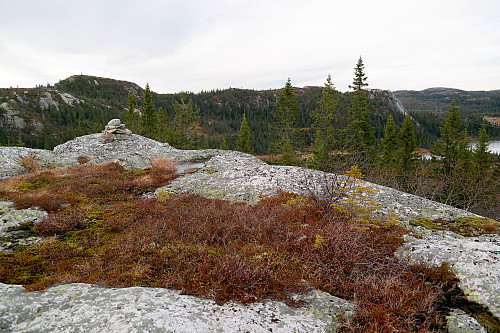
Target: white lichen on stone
475 261
11 219
46 101
93 309
460 322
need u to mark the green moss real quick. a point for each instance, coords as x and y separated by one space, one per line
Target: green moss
27 186
426 223
98 213
21 268
137 172
24 226
469 226
481 314
487 320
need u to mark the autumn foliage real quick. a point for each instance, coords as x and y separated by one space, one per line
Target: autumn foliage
101 229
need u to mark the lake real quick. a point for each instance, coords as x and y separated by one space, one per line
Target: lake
493 146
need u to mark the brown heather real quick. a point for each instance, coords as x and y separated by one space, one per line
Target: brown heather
101 230
490 226
83 159
29 163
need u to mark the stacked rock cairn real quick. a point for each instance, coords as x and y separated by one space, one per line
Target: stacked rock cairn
114 130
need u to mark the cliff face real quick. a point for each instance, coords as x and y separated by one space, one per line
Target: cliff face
239 177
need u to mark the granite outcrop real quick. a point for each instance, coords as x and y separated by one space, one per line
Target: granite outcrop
238 177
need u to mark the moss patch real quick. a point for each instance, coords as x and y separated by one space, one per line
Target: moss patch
469 226
426 223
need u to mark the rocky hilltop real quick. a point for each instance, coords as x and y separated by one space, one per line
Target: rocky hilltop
237 177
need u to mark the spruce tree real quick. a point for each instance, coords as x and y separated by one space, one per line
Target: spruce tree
389 143
223 143
482 157
183 134
162 128
79 131
288 156
149 116
451 143
323 125
129 115
407 145
244 144
359 134
283 128
456 173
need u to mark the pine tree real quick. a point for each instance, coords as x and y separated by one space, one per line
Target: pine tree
149 116
283 128
244 144
323 125
389 143
407 145
129 115
359 134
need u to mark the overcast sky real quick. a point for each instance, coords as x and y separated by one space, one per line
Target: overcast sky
194 45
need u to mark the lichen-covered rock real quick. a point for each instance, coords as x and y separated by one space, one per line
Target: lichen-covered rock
475 261
460 322
242 177
10 159
11 221
235 176
226 175
84 308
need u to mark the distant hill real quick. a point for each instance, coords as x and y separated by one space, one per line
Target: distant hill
483 103
45 116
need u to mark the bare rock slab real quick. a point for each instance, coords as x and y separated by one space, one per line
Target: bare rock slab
475 261
84 308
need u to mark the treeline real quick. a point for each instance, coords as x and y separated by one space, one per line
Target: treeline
220 114
332 133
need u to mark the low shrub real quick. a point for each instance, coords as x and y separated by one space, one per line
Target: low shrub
83 159
163 165
29 163
110 235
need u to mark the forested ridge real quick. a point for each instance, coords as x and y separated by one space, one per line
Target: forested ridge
221 111
317 127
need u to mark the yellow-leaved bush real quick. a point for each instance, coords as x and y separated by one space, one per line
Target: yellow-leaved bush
355 200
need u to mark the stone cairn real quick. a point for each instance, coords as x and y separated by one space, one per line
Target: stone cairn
114 130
